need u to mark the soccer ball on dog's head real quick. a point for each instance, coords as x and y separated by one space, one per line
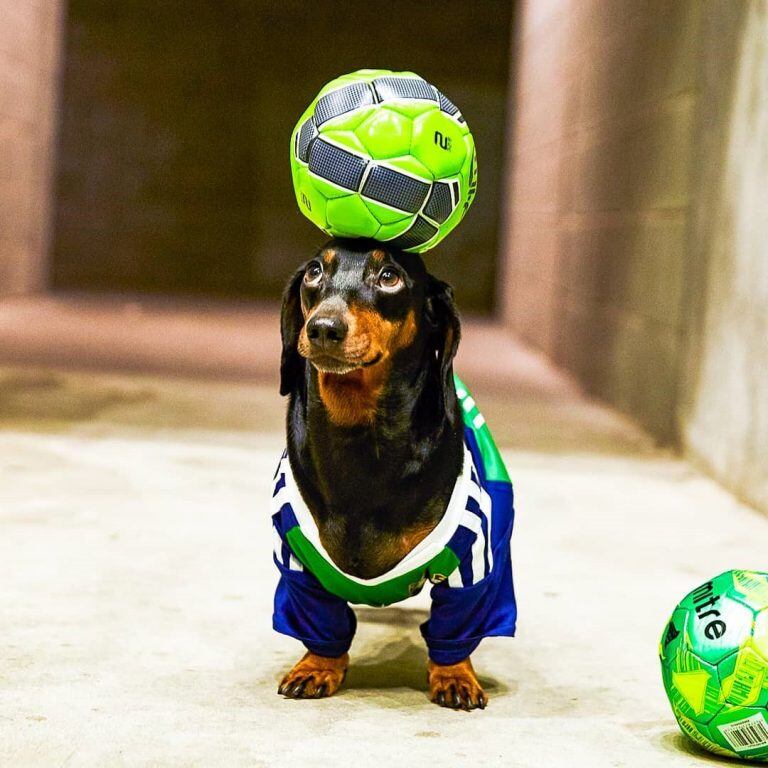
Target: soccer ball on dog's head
384 155
714 660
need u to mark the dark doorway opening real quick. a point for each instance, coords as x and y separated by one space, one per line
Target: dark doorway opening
173 172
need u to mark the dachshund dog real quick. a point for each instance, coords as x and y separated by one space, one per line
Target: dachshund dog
375 454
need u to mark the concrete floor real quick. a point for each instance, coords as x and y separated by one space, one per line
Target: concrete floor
136 585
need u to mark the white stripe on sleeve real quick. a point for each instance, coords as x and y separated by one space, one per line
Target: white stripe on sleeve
454 579
277 546
280 498
486 507
472 521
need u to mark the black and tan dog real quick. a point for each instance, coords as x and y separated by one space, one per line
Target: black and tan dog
375 432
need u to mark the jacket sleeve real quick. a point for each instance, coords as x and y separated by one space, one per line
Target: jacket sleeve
464 612
304 609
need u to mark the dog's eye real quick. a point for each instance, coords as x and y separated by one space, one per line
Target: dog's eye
389 279
314 273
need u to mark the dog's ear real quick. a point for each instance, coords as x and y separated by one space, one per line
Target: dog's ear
291 322
443 318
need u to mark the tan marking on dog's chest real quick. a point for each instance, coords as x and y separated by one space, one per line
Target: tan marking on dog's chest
351 399
382 551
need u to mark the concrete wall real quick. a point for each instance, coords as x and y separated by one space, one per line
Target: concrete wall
173 174
723 409
29 54
604 107
636 218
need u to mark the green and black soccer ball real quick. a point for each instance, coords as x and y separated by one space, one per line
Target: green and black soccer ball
714 661
384 155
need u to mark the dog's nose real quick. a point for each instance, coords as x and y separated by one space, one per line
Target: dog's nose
326 331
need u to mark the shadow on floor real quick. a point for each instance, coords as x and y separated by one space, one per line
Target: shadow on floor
405 618
674 741
400 662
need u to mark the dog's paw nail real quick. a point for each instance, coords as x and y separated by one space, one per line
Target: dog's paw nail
481 701
298 689
320 692
441 699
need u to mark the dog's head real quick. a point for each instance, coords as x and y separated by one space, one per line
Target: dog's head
358 305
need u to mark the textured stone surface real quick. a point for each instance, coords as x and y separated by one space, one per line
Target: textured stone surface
635 254
724 407
135 563
29 59
599 194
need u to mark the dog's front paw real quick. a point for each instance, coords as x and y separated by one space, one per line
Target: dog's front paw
456 686
315 677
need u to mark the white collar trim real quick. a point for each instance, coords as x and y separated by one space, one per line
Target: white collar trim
429 547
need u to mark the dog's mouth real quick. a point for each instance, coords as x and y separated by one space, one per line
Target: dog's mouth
341 366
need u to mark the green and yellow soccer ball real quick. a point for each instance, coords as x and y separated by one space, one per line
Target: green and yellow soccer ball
714 661
384 155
